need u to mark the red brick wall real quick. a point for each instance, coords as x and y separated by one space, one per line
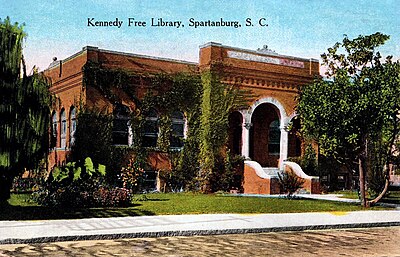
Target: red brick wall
263 79
253 184
66 85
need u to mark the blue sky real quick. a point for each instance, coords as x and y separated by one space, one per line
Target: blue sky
295 27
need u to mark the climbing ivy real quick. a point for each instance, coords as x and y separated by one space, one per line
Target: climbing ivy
163 141
218 101
206 104
166 93
106 79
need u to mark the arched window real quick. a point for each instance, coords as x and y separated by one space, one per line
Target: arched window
54 127
120 133
63 133
150 132
274 138
72 125
177 126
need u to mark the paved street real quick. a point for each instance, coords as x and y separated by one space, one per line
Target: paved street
349 242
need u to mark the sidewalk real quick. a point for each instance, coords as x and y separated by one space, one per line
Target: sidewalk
327 197
12 232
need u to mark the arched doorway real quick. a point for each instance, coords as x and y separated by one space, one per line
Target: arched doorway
235 132
265 135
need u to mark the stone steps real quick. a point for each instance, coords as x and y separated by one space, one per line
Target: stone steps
271 170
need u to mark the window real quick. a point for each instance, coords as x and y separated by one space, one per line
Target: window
150 132
72 125
120 133
274 138
53 140
63 133
177 126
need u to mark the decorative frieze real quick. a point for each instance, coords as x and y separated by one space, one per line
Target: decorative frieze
265 59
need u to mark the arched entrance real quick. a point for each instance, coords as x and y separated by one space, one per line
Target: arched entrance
235 132
265 135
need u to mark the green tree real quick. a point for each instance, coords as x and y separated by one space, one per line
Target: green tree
358 103
93 136
24 110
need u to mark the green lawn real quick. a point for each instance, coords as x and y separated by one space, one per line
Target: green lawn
21 208
391 197
200 203
347 194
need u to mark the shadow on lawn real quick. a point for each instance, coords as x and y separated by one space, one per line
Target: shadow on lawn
391 199
10 212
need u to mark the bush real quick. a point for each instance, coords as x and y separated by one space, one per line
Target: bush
182 176
132 174
290 182
228 173
25 185
79 184
112 197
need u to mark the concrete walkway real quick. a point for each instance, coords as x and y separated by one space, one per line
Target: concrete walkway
12 232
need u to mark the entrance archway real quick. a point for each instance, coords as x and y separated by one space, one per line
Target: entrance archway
265 136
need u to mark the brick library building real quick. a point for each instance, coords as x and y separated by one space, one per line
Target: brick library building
258 132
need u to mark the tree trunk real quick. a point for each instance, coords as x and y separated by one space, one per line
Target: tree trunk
361 168
395 133
382 194
362 171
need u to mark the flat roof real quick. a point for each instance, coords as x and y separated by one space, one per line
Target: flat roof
93 48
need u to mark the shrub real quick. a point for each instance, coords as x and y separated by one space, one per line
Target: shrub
25 185
112 197
228 173
131 174
80 184
290 182
93 136
182 176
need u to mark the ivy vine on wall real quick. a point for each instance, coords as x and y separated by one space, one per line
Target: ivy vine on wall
205 102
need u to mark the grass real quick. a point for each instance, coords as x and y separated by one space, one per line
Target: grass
391 197
346 194
200 203
20 207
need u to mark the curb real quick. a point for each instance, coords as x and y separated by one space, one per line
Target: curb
192 233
